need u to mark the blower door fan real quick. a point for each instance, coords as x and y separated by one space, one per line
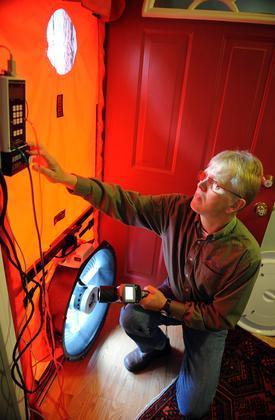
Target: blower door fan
77 317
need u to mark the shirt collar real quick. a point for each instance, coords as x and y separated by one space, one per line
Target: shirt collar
225 231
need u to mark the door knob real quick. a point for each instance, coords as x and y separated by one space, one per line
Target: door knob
261 209
268 181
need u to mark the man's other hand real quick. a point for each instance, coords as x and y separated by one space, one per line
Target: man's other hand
155 299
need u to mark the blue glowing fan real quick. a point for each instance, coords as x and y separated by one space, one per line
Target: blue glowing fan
77 317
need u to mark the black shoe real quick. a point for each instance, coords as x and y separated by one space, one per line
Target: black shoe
136 360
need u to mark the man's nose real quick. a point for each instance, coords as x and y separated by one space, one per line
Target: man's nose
203 185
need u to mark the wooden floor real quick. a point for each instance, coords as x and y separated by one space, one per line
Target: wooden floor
100 388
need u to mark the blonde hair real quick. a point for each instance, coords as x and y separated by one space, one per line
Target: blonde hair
241 170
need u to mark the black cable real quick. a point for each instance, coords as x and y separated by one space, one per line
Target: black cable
8 253
9 51
66 254
23 275
16 373
2 221
43 278
6 48
14 260
18 266
17 358
29 294
35 216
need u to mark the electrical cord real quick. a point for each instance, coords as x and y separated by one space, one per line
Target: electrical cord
15 366
24 280
15 369
65 254
8 244
7 240
20 250
22 275
45 315
9 51
2 223
47 311
39 175
6 48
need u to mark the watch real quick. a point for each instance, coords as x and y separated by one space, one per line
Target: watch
165 310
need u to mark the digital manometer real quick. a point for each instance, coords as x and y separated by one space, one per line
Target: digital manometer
12 124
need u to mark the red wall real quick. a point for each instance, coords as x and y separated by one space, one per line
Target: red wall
183 91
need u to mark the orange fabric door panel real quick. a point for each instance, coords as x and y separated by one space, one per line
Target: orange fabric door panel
71 138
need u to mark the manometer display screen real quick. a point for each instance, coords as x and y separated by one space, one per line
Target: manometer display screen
17 90
129 294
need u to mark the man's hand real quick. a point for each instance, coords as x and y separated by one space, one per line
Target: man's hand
44 163
155 299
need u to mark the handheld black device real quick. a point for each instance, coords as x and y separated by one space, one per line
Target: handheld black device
126 293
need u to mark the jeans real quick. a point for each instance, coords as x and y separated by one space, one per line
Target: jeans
200 370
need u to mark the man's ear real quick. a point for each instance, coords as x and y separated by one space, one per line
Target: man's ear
237 206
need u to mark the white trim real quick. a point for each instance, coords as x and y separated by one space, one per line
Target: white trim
148 10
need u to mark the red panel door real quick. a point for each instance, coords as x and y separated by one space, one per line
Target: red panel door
177 93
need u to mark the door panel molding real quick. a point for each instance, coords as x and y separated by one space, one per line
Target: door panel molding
264 135
243 70
160 100
141 265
